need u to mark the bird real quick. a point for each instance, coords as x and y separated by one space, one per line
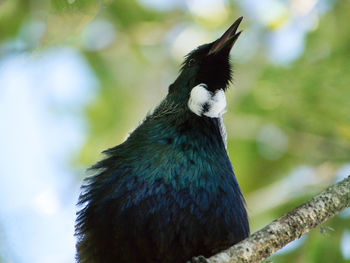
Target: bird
168 193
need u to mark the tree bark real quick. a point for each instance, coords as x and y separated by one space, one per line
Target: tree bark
289 227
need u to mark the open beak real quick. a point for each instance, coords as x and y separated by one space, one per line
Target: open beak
228 39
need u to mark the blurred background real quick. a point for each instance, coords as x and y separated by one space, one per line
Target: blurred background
77 76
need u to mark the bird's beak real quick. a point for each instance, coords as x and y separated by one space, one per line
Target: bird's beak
228 39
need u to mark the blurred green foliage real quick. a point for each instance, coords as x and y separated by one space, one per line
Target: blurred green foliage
12 14
279 118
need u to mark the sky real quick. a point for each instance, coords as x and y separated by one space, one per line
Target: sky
41 103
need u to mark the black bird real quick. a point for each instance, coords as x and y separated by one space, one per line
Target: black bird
168 193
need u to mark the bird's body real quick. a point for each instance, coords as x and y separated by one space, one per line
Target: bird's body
168 193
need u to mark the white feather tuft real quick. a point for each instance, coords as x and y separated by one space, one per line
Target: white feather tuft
203 102
198 97
217 105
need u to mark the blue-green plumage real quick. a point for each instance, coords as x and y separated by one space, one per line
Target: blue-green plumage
167 193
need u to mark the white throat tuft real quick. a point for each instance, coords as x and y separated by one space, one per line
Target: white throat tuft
203 102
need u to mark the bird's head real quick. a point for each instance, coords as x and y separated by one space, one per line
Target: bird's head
209 64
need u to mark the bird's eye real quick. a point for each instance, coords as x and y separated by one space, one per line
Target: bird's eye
191 62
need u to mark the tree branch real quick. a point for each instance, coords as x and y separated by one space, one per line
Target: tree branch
289 227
